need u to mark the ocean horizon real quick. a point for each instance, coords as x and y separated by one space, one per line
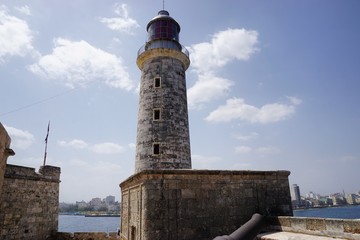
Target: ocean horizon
80 223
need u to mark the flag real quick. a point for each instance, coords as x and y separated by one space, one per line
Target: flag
47 134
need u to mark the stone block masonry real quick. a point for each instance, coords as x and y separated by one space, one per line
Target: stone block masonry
171 130
29 203
199 204
5 152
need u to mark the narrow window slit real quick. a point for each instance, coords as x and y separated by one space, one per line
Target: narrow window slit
156 148
157 82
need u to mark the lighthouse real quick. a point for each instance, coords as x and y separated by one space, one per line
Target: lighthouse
163 140
165 198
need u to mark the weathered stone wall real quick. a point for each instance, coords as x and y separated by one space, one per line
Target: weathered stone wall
29 203
332 228
171 130
199 204
5 152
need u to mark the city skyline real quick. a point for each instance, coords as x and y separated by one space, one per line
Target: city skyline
271 86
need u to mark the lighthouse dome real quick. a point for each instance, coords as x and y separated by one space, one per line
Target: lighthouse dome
163 27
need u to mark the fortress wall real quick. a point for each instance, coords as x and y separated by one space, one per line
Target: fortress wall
29 203
327 227
199 204
4 145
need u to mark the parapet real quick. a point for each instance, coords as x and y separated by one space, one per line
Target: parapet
46 173
5 152
295 227
50 172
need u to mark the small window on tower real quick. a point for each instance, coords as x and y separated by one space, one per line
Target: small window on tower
156 148
157 114
157 82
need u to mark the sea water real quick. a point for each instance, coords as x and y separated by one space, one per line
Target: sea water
76 223
343 212
79 223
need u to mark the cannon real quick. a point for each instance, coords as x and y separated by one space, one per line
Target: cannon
248 231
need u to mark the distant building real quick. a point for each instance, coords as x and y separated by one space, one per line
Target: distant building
312 195
109 200
295 195
351 198
82 204
338 199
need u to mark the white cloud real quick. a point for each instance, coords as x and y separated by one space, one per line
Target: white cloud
15 36
107 148
24 10
224 47
268 150
123 23
208 57
243 149
100 148
247 137
75 143
236 108
79 64
207 88
132 146
294 100
20 138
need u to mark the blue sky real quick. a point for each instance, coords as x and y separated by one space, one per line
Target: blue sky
273 85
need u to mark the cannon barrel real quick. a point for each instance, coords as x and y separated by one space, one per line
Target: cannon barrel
248 231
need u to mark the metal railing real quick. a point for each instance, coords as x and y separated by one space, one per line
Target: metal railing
163 44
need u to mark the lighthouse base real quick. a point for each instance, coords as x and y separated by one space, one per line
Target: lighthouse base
199 204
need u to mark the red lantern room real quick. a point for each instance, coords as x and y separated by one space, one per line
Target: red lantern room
163 27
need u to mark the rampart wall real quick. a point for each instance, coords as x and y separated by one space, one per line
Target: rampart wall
29 200
29 203
5 152
324 227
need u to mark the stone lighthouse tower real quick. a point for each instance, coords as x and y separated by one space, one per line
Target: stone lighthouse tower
163 129
165 198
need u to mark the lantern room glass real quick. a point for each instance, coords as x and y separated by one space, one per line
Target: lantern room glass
163 29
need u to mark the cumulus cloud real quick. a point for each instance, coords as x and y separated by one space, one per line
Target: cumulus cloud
123 23
24 10
247 137
237 109
207 88
208 57
15 36
21 139
132 146
75 143
294 100
224 47
100 148
77 63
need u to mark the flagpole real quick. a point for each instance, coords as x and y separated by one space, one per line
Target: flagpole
46 141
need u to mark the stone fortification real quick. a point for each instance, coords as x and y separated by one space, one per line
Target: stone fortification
29 203
29 200
5 152
199 204
294 227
